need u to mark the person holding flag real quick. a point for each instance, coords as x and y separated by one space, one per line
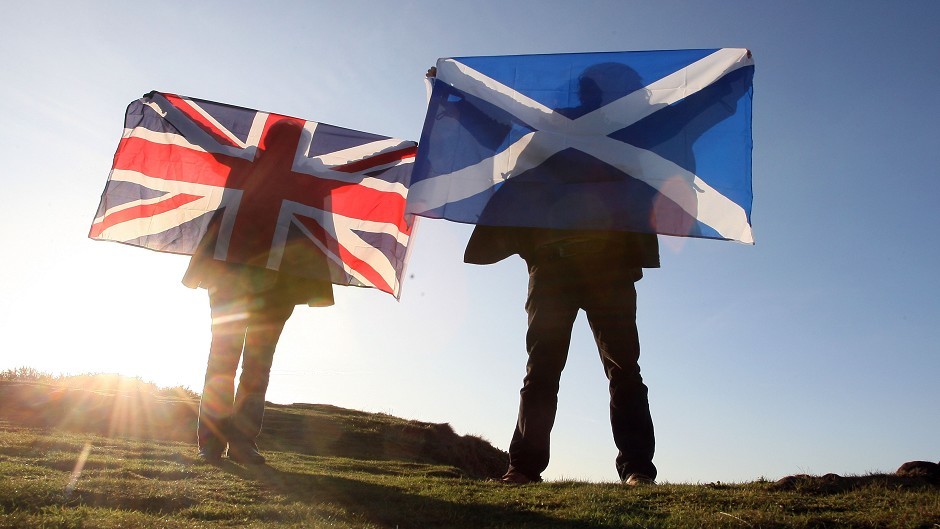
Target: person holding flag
572 270
577 162
250 305
274 210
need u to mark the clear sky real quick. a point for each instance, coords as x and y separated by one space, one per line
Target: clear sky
813 351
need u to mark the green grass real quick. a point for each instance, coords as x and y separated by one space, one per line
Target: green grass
111 453
143 483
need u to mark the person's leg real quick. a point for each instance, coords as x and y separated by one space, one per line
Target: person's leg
264 330
551 317
229 323
610 304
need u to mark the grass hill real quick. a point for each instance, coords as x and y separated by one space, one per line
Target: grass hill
109 452
116 406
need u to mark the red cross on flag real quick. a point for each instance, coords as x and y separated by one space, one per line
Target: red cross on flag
285 191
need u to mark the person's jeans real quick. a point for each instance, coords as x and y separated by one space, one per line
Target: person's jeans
246 328
558 288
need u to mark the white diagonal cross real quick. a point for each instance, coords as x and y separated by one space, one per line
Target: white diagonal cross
589 133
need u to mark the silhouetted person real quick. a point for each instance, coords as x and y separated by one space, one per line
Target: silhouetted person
594 271
572 270
249 306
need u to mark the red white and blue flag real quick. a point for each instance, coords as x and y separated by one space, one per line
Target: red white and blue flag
647 141
284 191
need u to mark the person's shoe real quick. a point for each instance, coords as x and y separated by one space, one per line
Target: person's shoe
245 453
638 480
210 455
514 477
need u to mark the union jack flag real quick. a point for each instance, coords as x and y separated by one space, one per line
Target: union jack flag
284 191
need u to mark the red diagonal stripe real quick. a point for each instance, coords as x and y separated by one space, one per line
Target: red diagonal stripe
137 212
186 107
364 269
378 160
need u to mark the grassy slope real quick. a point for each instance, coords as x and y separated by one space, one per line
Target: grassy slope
54 476
121 407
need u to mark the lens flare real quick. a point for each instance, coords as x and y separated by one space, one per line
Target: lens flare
77 471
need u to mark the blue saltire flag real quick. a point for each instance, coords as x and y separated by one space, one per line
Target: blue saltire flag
646 141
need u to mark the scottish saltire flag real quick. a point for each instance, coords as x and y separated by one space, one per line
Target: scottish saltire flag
648 141
285 192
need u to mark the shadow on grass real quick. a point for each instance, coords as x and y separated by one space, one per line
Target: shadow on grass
385 505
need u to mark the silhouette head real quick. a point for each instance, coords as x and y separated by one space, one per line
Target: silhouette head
602 83
282 136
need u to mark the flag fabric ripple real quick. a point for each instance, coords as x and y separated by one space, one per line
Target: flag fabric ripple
285 191
646 141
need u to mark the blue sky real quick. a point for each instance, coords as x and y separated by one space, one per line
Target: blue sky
813 351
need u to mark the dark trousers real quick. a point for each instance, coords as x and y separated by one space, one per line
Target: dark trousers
246 328
558 288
